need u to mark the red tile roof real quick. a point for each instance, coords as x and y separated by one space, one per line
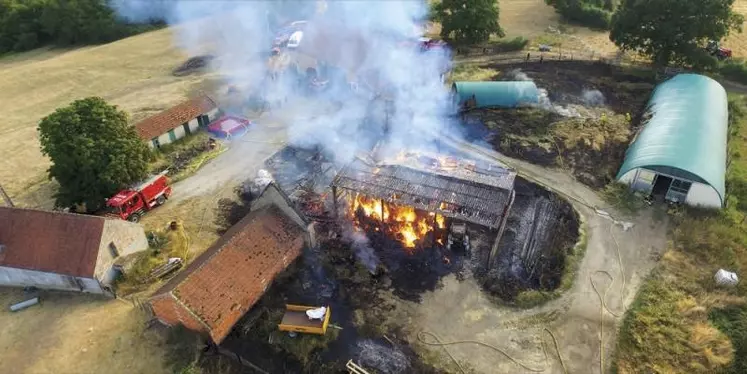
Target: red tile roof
221 285
50 241
174 117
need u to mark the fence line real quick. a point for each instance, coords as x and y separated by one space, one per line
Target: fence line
494 55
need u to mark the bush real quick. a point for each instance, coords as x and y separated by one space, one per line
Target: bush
734 70
516 44
587 15
622 198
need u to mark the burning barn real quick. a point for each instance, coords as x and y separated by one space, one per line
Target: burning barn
424 200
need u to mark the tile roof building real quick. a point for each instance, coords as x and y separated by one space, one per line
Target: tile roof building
223 283
62 251
178 121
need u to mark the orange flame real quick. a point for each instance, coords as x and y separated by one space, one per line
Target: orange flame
403 222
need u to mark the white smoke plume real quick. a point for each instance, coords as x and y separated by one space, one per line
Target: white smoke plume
593 97
362 42
363 250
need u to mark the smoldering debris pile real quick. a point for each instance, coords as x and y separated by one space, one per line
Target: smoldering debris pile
593 98
298 169
304 176
193 65
540 230
383 358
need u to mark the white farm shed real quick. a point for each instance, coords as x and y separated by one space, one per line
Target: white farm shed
62 251
680 154
177 122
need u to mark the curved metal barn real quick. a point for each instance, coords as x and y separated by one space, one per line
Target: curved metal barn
680 154
505 94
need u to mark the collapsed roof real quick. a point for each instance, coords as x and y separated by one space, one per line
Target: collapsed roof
477 193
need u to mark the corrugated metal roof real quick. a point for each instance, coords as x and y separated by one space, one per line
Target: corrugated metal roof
687 130
496 94
467 199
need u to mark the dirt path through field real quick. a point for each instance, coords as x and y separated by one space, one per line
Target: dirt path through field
461 310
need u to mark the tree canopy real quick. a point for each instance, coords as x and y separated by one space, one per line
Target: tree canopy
468 21
672 30
28 24
94 151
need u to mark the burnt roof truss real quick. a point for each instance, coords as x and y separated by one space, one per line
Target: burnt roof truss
464 199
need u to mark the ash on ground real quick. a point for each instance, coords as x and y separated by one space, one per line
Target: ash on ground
541 231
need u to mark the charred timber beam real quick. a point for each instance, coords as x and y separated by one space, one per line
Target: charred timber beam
504 219
462 187
453 197
488 220
334 200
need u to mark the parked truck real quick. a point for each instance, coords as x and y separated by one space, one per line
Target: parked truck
130 204
715 49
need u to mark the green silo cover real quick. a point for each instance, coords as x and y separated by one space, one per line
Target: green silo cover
687 130
497 94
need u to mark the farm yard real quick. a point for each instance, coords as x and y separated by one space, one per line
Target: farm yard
400 299
133 73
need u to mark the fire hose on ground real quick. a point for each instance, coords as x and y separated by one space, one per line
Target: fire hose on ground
436 341
602 301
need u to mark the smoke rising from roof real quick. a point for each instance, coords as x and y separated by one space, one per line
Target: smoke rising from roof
362 43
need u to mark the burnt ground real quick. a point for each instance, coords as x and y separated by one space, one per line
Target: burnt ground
329 276
365 281
590 144
565 82
547 226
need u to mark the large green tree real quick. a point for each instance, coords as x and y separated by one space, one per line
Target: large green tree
467 21
94 151
672 31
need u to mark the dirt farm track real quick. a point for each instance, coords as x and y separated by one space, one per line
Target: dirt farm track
80 334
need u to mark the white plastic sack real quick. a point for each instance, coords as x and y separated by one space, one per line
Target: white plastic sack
317 313
726 278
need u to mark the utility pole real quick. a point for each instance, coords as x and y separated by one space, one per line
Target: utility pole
6 198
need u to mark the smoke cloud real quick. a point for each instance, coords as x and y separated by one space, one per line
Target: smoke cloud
375 80
363 250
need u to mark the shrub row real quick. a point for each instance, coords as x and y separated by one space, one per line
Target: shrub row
587 15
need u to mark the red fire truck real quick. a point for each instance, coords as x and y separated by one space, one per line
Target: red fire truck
132 203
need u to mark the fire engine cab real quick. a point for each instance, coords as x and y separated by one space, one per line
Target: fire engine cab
132 203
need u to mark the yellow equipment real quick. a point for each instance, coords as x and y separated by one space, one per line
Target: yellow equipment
295 320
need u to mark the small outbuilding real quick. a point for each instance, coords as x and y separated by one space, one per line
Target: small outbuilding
680 153
177 122
225 282
473 95
62 251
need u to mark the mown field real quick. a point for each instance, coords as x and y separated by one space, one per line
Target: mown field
134 73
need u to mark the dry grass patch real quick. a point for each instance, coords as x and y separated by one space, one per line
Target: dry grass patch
134 73
76 333
472 73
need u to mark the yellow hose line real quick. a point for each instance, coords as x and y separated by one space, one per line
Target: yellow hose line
436 341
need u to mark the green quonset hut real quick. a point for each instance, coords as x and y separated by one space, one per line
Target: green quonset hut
680 154
471 95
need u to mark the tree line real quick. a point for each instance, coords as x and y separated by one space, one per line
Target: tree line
29 24
667 31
